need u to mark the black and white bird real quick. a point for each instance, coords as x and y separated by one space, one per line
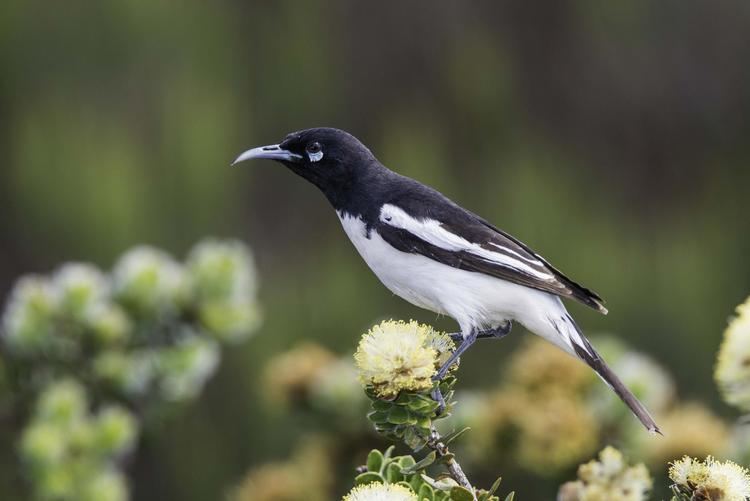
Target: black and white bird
439 256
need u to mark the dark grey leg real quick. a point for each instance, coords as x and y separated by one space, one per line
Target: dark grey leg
463 344
496 333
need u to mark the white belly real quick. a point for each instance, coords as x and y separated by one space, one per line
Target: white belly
472 299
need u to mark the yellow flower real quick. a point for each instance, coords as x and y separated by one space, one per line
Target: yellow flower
688 429
306 475
609 479
396 355
288 376
380 492
541 366
711 479
733 365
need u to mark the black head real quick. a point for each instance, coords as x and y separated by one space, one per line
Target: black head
331 159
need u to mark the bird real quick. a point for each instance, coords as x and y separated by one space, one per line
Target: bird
441 257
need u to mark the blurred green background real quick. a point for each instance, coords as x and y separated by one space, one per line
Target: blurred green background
611 137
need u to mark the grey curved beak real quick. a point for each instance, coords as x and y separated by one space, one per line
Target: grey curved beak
272 152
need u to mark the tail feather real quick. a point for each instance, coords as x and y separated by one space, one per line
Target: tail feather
588 354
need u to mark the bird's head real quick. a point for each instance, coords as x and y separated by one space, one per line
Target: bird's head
329 158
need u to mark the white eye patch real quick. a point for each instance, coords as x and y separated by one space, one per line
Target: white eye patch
314 157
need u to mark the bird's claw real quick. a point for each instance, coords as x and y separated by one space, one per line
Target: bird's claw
437 396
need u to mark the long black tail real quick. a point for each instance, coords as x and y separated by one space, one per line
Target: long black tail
588 354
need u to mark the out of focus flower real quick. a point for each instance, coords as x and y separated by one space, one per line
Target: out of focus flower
541 366
109 323
115 430
733 366
396 355
380 492
307 475
609 479
63 402
710 479
543 433
80 288
28 320
43 443
688 429
106 485
224 284
129 372
335 389
648 381
555 432
184 368
147 281
222 270
289 376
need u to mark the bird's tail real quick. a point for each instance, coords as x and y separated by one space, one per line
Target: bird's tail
588 354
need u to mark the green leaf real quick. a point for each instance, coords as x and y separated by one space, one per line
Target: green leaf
511 496
375 460
421 464
389 451
406 461
378 416
398 415
495 486
393 473
459 493
381 405
368 477
454 435
426 492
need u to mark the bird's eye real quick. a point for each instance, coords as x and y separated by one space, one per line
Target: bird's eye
314 151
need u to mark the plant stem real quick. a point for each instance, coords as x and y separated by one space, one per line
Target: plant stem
435 443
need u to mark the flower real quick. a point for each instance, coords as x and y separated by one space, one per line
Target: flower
541 366
733 365
63 402
710 479
689 429
648 381
28 321
80 288
147 280
335 389
609 479
289 376
376 491
396 355
185 367
222 270
224 284
306 475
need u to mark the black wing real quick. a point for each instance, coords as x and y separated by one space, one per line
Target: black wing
443 231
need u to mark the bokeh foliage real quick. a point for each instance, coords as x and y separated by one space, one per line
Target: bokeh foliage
609 136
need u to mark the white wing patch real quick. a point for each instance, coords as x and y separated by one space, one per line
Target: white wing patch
433 232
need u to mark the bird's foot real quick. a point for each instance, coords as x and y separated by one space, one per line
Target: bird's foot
498 332
437 396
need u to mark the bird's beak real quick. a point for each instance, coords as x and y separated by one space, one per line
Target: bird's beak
272 151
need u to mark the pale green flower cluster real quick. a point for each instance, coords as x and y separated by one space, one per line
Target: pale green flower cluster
733 365
376 491
73 454
709 479
395 355
608 479
146 335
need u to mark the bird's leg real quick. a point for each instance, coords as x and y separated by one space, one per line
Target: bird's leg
497 333
437 395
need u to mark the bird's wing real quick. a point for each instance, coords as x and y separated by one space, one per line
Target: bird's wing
458 238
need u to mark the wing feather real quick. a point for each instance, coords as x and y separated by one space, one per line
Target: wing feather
472 244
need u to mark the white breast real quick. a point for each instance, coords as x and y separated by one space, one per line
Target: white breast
472 299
